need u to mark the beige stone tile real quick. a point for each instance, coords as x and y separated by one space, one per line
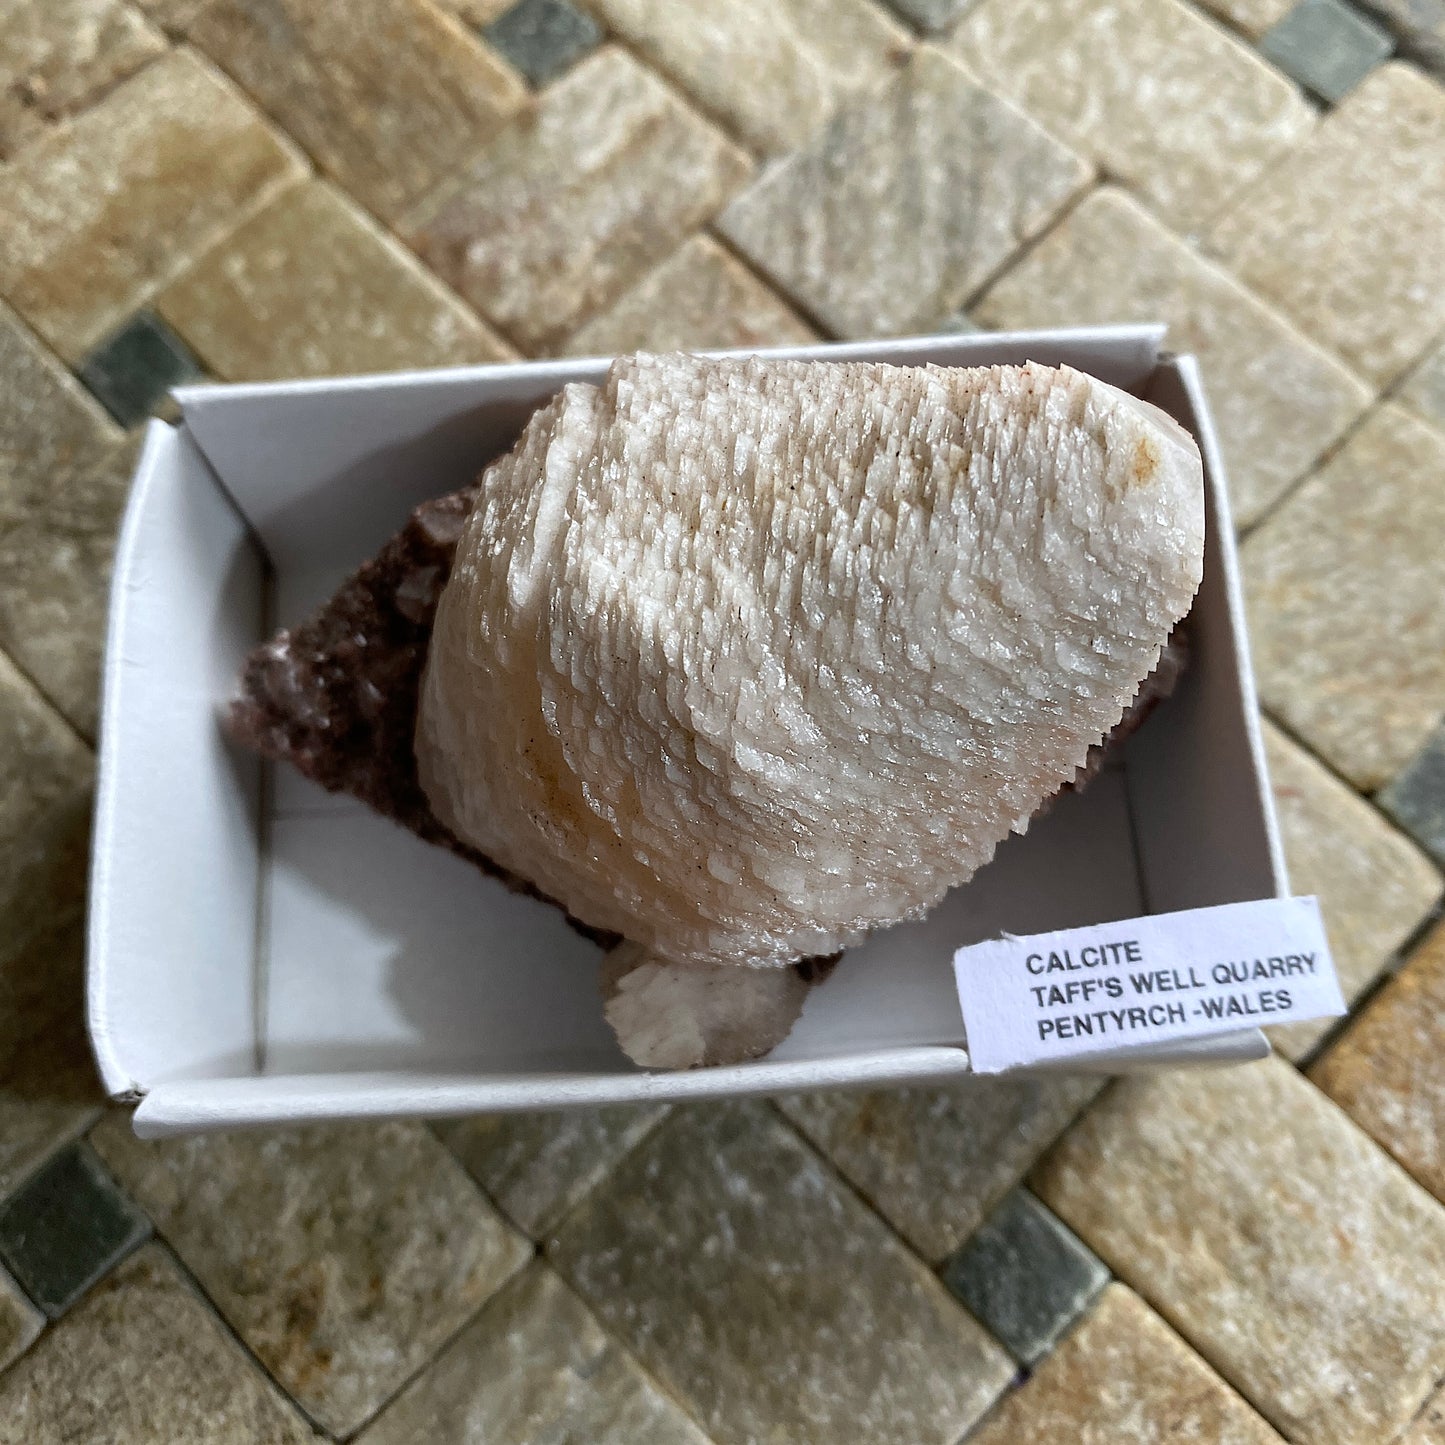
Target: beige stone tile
1374 885
1347 235
1253 17
1209 117
389 97
1429 1426
50 427
846 229
1123 1377
536 1167
141 1358
172 15
1423 391
1279 400
478 12
1388 1071
55 584
57 55
534 1365
771 71
20 1321
935 1162
700 298
766 1298
312 286
1294 1255
49 1091
571 205
1344 585
45 783
343 1256
105 208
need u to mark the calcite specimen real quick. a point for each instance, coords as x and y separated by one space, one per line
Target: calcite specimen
740 660
743 659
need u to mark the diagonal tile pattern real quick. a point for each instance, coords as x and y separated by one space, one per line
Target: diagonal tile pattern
534 1365
299 188
165 1363
56 56
844 227
536 1167
104 209
1212 117
1375 889
1124 1378
1285 1247
772 71
1388 1071
387 96
344 1257
312 286
1347 234
700 298
739 1270
1280 400
1344 583
935 1162
571 205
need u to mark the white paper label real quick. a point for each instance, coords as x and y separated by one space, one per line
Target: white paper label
1049 997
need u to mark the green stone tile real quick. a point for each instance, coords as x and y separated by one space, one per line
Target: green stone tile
1375 888
1025 1276
131 371
1280 1241
1327 46
1344 583
542 38
1344 235
66 1227
1161 99
1416 798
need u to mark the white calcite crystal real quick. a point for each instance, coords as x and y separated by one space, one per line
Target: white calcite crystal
742 659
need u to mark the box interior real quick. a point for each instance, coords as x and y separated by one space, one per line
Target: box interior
248 928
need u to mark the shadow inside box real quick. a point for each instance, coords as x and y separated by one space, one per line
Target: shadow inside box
387 953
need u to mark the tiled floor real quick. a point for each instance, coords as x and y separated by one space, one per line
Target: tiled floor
243 189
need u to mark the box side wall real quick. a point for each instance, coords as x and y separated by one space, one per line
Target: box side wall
1203 811
175 860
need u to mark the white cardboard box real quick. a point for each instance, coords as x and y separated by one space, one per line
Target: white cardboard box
261 951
